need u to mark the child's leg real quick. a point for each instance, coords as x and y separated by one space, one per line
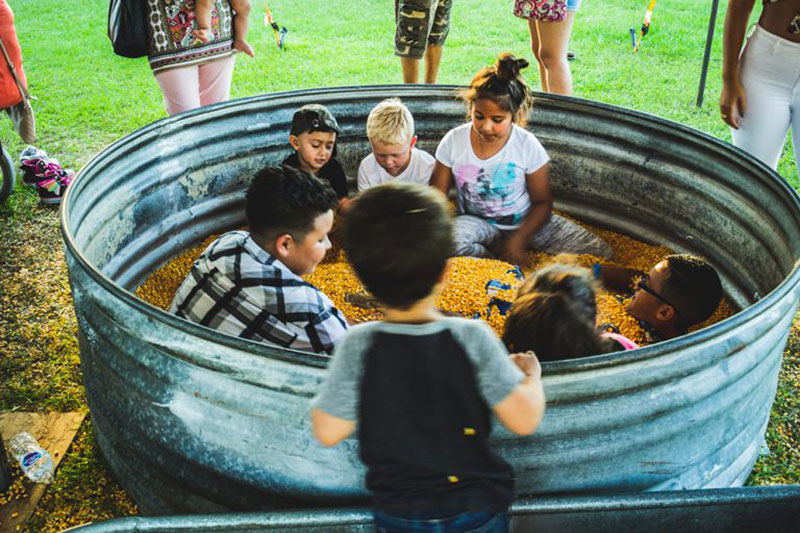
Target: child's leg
240 24
535 46
553 42
473 236
215 80
560 235
180 88
440 28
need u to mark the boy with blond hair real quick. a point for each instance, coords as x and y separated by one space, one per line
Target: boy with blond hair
390 129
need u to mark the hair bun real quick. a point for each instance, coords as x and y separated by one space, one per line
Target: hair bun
508 66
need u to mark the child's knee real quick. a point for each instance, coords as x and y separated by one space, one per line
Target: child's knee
550 58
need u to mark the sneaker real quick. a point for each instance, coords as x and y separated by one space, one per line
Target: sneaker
33 165
51 189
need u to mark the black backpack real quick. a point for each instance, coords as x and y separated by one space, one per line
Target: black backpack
127 27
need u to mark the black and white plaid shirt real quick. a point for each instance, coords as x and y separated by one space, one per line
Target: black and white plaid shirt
239 288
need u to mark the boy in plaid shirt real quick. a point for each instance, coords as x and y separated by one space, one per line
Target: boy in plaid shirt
248 284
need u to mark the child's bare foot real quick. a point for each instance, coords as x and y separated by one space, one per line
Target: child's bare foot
203 34
244 46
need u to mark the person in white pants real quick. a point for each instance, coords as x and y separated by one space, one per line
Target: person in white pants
760 97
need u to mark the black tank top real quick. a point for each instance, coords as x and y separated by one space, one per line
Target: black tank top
424 429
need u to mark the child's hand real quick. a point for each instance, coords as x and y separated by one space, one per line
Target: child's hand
345 205
528 363
516 250
244 46
203 35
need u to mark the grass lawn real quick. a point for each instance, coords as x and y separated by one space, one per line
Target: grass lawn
88 97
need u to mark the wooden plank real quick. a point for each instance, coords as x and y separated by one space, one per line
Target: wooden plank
55 432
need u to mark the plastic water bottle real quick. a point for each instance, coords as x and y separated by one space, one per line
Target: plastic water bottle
34 460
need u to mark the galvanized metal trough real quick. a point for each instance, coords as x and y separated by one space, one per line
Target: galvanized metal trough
193 420
774 509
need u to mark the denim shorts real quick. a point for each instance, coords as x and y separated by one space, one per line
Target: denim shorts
573 5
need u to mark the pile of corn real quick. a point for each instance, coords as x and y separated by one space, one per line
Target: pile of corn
477 288
159 288
17 489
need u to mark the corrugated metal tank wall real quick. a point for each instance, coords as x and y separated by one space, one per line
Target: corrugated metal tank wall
193 420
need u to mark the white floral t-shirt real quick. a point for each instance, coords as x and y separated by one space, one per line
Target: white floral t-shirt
494 189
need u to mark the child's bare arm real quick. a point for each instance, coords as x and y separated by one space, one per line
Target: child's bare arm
202 14
240 24
328 429
523 409
241 6
441 177
538 183
617 278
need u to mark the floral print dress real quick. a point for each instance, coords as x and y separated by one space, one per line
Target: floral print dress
544 10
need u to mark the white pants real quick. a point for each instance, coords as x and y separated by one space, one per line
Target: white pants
770 74
193 86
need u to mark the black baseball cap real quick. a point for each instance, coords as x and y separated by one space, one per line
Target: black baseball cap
314 117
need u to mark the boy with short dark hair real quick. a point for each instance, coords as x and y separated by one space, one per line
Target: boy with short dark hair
313 137
422 387
678 292
248 284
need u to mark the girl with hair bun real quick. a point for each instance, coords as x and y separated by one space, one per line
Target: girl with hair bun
500 169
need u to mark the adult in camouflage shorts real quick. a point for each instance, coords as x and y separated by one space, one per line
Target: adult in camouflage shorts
421 29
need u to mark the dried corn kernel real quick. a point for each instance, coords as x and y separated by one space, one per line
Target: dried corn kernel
476 288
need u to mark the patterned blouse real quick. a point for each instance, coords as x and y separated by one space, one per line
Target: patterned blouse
171 23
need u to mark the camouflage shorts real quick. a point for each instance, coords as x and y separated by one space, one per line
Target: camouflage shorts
420 23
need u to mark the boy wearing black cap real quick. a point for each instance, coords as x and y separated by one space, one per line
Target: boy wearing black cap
313 137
